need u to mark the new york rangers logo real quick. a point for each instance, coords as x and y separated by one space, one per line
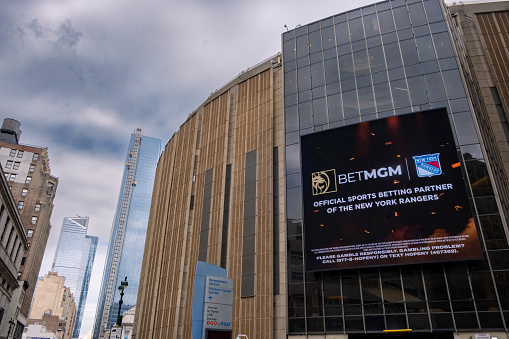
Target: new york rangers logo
428 165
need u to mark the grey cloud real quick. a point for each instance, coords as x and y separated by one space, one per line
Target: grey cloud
36 28
68 36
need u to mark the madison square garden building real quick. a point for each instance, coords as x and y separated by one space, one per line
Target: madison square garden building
354 184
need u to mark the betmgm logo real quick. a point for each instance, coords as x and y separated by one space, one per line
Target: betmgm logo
324 182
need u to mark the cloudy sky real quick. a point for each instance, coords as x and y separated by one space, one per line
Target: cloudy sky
80 76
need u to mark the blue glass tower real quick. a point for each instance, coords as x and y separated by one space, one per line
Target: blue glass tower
74 259
127 240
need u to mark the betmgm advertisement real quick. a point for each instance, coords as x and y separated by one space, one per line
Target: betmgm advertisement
386 192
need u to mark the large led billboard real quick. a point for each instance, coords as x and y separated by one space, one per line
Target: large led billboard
386 192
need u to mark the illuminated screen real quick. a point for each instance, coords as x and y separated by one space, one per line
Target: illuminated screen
386 192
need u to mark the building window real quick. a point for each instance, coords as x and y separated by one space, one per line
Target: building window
16 165
23 261
12 177
6 176
13 153
20 154
20 204
19 276
30 233
34 220
32 168
24 192
37 207
36 157
28 180
8 164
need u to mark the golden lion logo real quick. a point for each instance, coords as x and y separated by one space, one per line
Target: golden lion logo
322 182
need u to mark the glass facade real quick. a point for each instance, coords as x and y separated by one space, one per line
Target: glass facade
127 240
390 58
74 259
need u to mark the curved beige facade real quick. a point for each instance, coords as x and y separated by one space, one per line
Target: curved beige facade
203 208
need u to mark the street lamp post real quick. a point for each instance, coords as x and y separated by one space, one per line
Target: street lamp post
123 284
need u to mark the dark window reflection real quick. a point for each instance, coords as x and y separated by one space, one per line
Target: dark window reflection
386 21
418 321
493 232
441 321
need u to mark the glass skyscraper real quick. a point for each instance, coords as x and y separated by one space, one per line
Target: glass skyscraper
127 240
74 259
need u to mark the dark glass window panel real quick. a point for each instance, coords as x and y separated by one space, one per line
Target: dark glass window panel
356 29
354 324
320 111
380 77
441 321
389 38
289 50
363 81
375 323
398 3
417 90
316 58
352 121
329 54
479 178
333 88
463 306
434 86
433 10
288 36
430 67
318 92
342 33
400 93
292 159
391 286
448 63
502 281
294 248
344 50
302 46
439 306
396 74
301 31
405 34
291 119
361 62
392 55
383 96
490 320
371 25
328 39
435 286
295 274
382 6
304 96
348 84
294 227
334 324
331 71
335 110
493 232
486 305
297 325
386 21
373 308
356 13
314 27
401 17
409 52
290 66
465 128
396 321
418 321
314 299
346 66
290 100
351 290
412 282
340 18
453 84
368 10
376 59
247 283
290 82
416 307
482 287
394 307
417 14
438 27
457 279
315 43
350 104
374 41
317 75
443 45
366 100
471 152
425 48
302 62
327 22
499 259
304 78
421 31
293 180
466 321
358 45
353 309
306 115
315 325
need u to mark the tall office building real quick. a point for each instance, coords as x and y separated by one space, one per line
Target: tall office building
74 259
357 184
125 250
33 187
